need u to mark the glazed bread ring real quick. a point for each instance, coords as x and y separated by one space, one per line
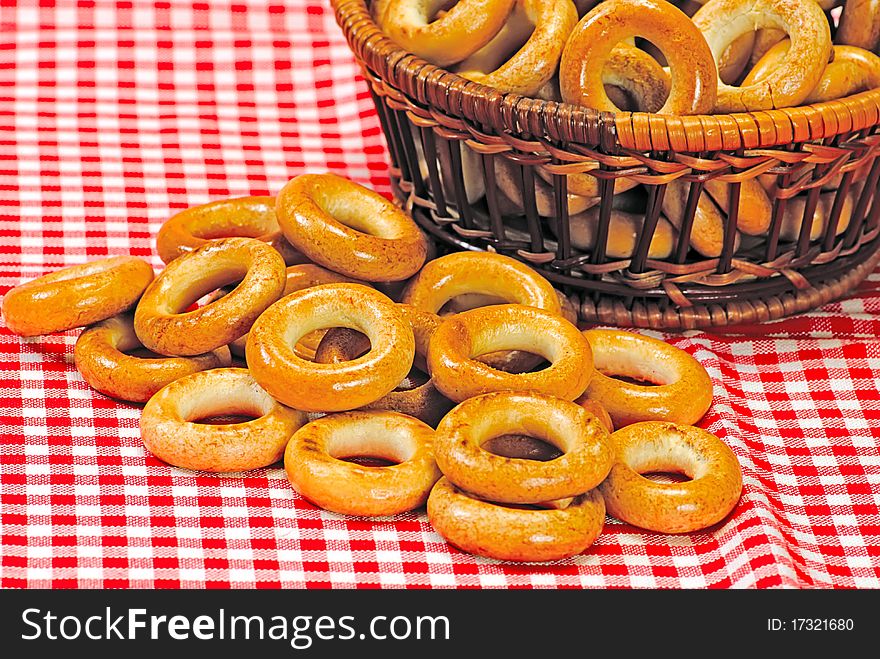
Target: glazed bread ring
694 76
76 296
169 429
349 228
316 469
624 230
159 320
793 217
535 32
298 278
644 84
349 385
860 24
416 396
487 273
654 446
246 217
584 463
755 210
509 184
850 71
460 339
100 357
463 30
707 230
723 21
683 391
514 534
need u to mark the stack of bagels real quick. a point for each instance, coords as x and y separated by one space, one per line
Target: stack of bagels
464 376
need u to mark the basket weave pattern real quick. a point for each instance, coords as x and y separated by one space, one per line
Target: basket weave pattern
434 119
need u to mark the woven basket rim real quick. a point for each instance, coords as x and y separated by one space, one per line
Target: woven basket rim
434 86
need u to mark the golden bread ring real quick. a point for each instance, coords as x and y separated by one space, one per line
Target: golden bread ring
723 21
316 469
755 209
461 338
511 198
100 357
535 32
350 229
659 447
707 230
416 396
458 446
459 33
694 76
514 534
162 325
76 296
624 230
313 387
860 24
169 429
683 391
245 217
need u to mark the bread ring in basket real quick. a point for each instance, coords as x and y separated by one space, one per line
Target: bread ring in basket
860 24
793 218
297 278
694 76
246 217
584 463
465 28
682 391
509 181
465 336
624 230
162 325
100 357
722 21
76 296
514 533
850 71
350 229
349 385
535 32
316 469
416 396
707 230
755 211
654 446
170 430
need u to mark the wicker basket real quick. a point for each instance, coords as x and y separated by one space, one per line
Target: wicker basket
451 140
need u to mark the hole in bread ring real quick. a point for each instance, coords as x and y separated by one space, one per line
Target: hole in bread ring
317 469
711 493
170 430
514 534
580 436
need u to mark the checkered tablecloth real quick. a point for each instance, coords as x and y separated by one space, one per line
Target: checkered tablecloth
114 115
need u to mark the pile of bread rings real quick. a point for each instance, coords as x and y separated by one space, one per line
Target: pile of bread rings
715 56
464 372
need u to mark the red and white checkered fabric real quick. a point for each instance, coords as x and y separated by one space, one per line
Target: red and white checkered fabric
114 115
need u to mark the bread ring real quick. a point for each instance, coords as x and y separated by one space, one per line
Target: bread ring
76 296
169 429
349 228
851 71
316 469
694 77
159 321
297 278
860 24
654 446
330 387
461 338
639 77
509 184
584 463
245 217
707 230
722 21
535 32
683 391
624 230
755 210
793 217
99 355
416 396
463 30
514 534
